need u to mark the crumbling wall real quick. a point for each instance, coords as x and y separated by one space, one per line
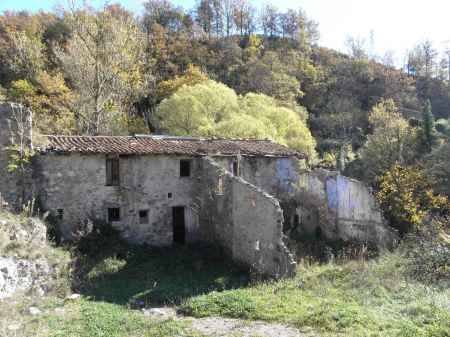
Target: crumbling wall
246 221
337 207
76 184
14 188
275 175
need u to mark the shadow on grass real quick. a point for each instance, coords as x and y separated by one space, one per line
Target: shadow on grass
143 276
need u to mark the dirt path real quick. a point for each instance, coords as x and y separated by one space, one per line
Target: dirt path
226 327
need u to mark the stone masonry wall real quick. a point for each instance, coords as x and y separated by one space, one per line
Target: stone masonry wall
77 184
342 208
274 175
245 220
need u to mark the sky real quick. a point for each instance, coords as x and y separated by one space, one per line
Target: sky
396 24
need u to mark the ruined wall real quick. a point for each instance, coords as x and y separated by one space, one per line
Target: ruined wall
275 175
14 189
243 219
76 184
338 207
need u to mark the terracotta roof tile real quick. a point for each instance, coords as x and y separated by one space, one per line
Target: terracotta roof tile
165 145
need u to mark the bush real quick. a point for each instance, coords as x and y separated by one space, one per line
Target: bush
98 237
429 253
406 197
233 304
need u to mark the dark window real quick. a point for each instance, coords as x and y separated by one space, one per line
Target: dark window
235 168
60 214
169 195
112 172
143 217
113 214
185 168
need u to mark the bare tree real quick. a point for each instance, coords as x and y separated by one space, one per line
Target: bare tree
104 61
21 150
270 18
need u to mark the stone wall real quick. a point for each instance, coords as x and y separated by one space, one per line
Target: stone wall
246 221
76 184
337 207
14 188
274 175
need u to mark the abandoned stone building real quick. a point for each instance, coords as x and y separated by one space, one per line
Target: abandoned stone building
160 190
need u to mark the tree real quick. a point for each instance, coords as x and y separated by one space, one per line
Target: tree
205 16
25 55
392 142
228 16
356 47
208 103
216 110
270 21
437 167
269 76
406 197
289 23
50 100
192 76
243 17
21 151
104 61
428 132
164 14
422 60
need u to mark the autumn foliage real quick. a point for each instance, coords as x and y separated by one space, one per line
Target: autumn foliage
407 197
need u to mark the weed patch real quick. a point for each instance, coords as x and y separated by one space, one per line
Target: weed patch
355 298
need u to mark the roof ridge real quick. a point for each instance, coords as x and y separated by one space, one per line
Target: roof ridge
168 137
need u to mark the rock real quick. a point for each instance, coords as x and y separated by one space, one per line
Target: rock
40 292
20 275
59 311
73 297
160 314
34 311
13 327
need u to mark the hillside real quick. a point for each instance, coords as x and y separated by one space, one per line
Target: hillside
219 70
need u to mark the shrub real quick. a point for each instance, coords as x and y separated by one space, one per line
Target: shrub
98 237
406 196
235 304
429 253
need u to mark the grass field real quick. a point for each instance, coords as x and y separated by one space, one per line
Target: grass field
348 298
354 298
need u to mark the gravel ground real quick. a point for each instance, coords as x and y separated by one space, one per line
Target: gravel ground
226 327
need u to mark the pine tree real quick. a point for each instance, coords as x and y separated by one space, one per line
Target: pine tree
428 128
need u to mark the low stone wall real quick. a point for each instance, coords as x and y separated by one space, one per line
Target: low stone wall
244 220
338 208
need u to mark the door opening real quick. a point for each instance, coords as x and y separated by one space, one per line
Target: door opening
179 225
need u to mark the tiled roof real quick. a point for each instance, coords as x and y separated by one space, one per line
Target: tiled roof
165 145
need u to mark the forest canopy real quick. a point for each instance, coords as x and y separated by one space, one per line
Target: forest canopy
227 69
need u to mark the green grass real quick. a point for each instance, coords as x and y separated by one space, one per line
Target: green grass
151 277
351 299
85 318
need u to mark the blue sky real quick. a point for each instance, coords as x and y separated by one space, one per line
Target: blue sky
397 24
